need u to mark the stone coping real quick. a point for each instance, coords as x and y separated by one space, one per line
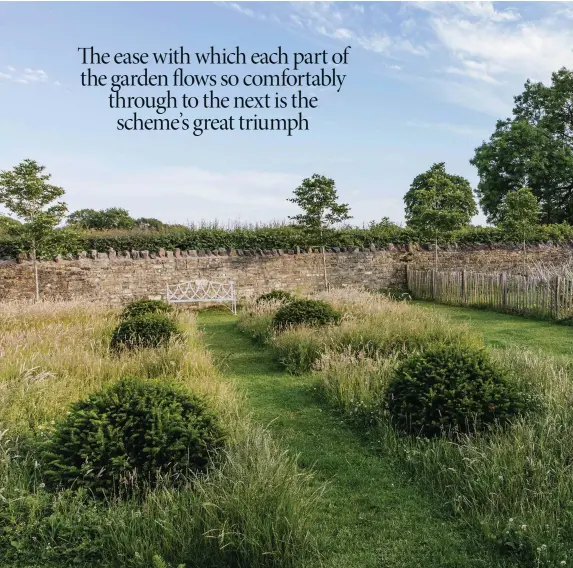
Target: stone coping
112 254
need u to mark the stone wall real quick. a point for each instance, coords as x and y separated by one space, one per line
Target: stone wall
116 278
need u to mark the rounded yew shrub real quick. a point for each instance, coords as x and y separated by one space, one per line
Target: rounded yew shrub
134 430
305 312
276 295
450 389
143 307
147 330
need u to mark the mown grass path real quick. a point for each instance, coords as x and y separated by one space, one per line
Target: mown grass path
502 330
370 514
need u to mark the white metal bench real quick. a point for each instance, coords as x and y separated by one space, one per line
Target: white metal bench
202 291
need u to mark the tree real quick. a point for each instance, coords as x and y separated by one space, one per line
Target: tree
26 193
104 219
439 202
318 198
533 149
385 230
149 223
8 224
519 216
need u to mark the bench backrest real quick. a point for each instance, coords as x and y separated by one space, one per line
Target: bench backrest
201 291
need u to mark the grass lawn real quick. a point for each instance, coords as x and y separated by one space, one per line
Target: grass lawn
370 515
502 330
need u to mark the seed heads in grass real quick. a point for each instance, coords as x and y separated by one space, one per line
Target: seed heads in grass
451 389
147 330
276 296
143 307
133 431
312 313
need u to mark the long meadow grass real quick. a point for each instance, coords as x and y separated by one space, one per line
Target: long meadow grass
515 484
371 325
253 507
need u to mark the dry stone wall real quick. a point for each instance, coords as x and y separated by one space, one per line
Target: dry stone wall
118 277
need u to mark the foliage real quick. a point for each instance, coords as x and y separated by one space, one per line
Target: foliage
276 295
385 231
511 485
255 510
8 224
105 219
318 198
450 389
362 475
146 330
305 312
534 148
149 223
519 213
372 326
256 502
26 193
143 307
47 530
286 238
129 433
439 202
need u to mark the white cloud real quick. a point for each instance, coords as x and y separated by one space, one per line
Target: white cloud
486 11
244 10
28 75
350 22
375 43
525 50
473 70
494 53
482 52
35 75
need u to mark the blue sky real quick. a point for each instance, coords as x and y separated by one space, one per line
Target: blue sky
425 82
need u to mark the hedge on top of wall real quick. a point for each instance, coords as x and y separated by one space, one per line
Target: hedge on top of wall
268 238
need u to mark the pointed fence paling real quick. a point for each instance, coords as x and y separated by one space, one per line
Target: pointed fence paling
501 291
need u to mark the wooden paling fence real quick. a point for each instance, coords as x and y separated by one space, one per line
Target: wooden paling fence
503 291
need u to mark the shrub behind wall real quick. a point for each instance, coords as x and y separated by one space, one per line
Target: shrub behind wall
268 238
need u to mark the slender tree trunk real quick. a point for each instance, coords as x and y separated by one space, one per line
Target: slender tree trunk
524 259
326 285
436 253
36 280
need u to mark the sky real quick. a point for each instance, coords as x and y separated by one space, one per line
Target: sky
425 82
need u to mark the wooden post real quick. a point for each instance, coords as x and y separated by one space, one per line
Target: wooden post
503 287
464 286
556 294
434 284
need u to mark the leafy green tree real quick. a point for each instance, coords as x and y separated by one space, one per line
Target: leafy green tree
318 198
8 224
519 216
532 149
149 223
439 202
83 218
104 219
26 193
